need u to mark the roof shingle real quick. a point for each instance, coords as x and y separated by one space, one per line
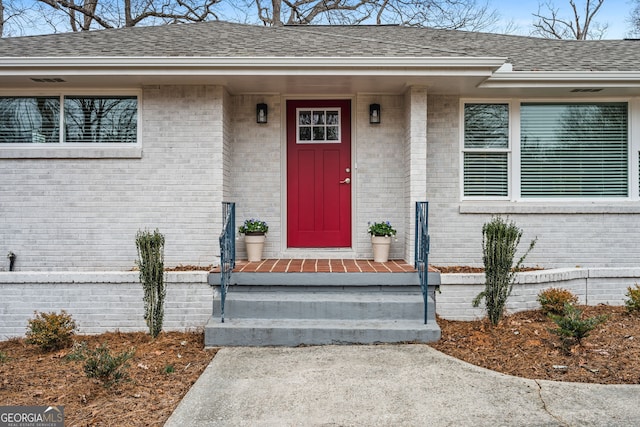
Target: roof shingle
223 39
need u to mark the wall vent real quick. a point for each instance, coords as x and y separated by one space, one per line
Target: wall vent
586 90
47 79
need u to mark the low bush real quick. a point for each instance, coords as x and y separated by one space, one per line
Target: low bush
108 368
51 331
633 299
3 357
572 328
552 300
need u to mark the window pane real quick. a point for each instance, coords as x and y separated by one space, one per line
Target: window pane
486 174
332 133
100 119
333 118
29 120
574 150
486 126
305 134
304 118
318 134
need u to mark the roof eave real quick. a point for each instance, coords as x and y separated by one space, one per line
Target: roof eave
484 66
532 79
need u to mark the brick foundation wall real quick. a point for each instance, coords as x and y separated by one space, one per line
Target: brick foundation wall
592 286
101 301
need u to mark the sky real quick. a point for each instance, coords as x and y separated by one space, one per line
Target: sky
613 12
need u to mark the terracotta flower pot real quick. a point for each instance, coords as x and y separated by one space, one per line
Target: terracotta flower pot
255 245
381 246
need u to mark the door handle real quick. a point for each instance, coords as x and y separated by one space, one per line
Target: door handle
346 181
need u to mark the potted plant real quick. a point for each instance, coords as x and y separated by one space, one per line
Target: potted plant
381 233
254 232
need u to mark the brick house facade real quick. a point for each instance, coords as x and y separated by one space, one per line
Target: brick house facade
78 206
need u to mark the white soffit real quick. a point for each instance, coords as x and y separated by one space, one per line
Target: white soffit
533 79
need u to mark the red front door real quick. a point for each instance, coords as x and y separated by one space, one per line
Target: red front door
319 173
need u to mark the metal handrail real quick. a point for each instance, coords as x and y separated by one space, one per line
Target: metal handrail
422 243
227 250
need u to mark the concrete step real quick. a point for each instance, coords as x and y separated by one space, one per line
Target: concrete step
290 309
325 305
294 332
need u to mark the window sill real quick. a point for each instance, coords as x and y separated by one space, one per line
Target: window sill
565 207
71 152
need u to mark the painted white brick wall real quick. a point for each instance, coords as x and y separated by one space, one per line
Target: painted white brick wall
416 159
101 302
380 176
83 214
257 169
569 234
201 145
609 285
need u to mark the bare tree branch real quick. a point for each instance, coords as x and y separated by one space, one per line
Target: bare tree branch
453 14
634 20
551 25
92 14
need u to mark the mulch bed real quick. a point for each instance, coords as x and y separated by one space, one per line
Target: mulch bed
523 345
161 373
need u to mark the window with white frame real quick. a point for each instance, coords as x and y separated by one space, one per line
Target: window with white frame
566 150
68 119
486 150
574 150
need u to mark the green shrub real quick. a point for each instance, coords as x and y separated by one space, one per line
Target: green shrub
572 327
104 366
78 352
500 240
169 369
633 299
151 263
3 357
553 300
51 331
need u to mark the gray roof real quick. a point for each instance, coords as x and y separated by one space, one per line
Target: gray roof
223 39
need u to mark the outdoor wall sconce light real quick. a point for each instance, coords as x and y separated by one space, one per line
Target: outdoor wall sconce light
12 260
374 114
261 113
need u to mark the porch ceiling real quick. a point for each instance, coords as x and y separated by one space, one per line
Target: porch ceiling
247 84
463 85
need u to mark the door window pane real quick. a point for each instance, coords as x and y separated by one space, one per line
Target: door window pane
318 126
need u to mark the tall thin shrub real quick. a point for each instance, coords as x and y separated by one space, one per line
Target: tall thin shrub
151 264
500 241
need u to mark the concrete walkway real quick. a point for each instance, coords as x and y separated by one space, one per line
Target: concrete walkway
387 385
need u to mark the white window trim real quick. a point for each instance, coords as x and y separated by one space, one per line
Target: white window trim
633 117
508 150
66 150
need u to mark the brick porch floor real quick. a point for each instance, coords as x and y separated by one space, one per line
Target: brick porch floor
323 266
